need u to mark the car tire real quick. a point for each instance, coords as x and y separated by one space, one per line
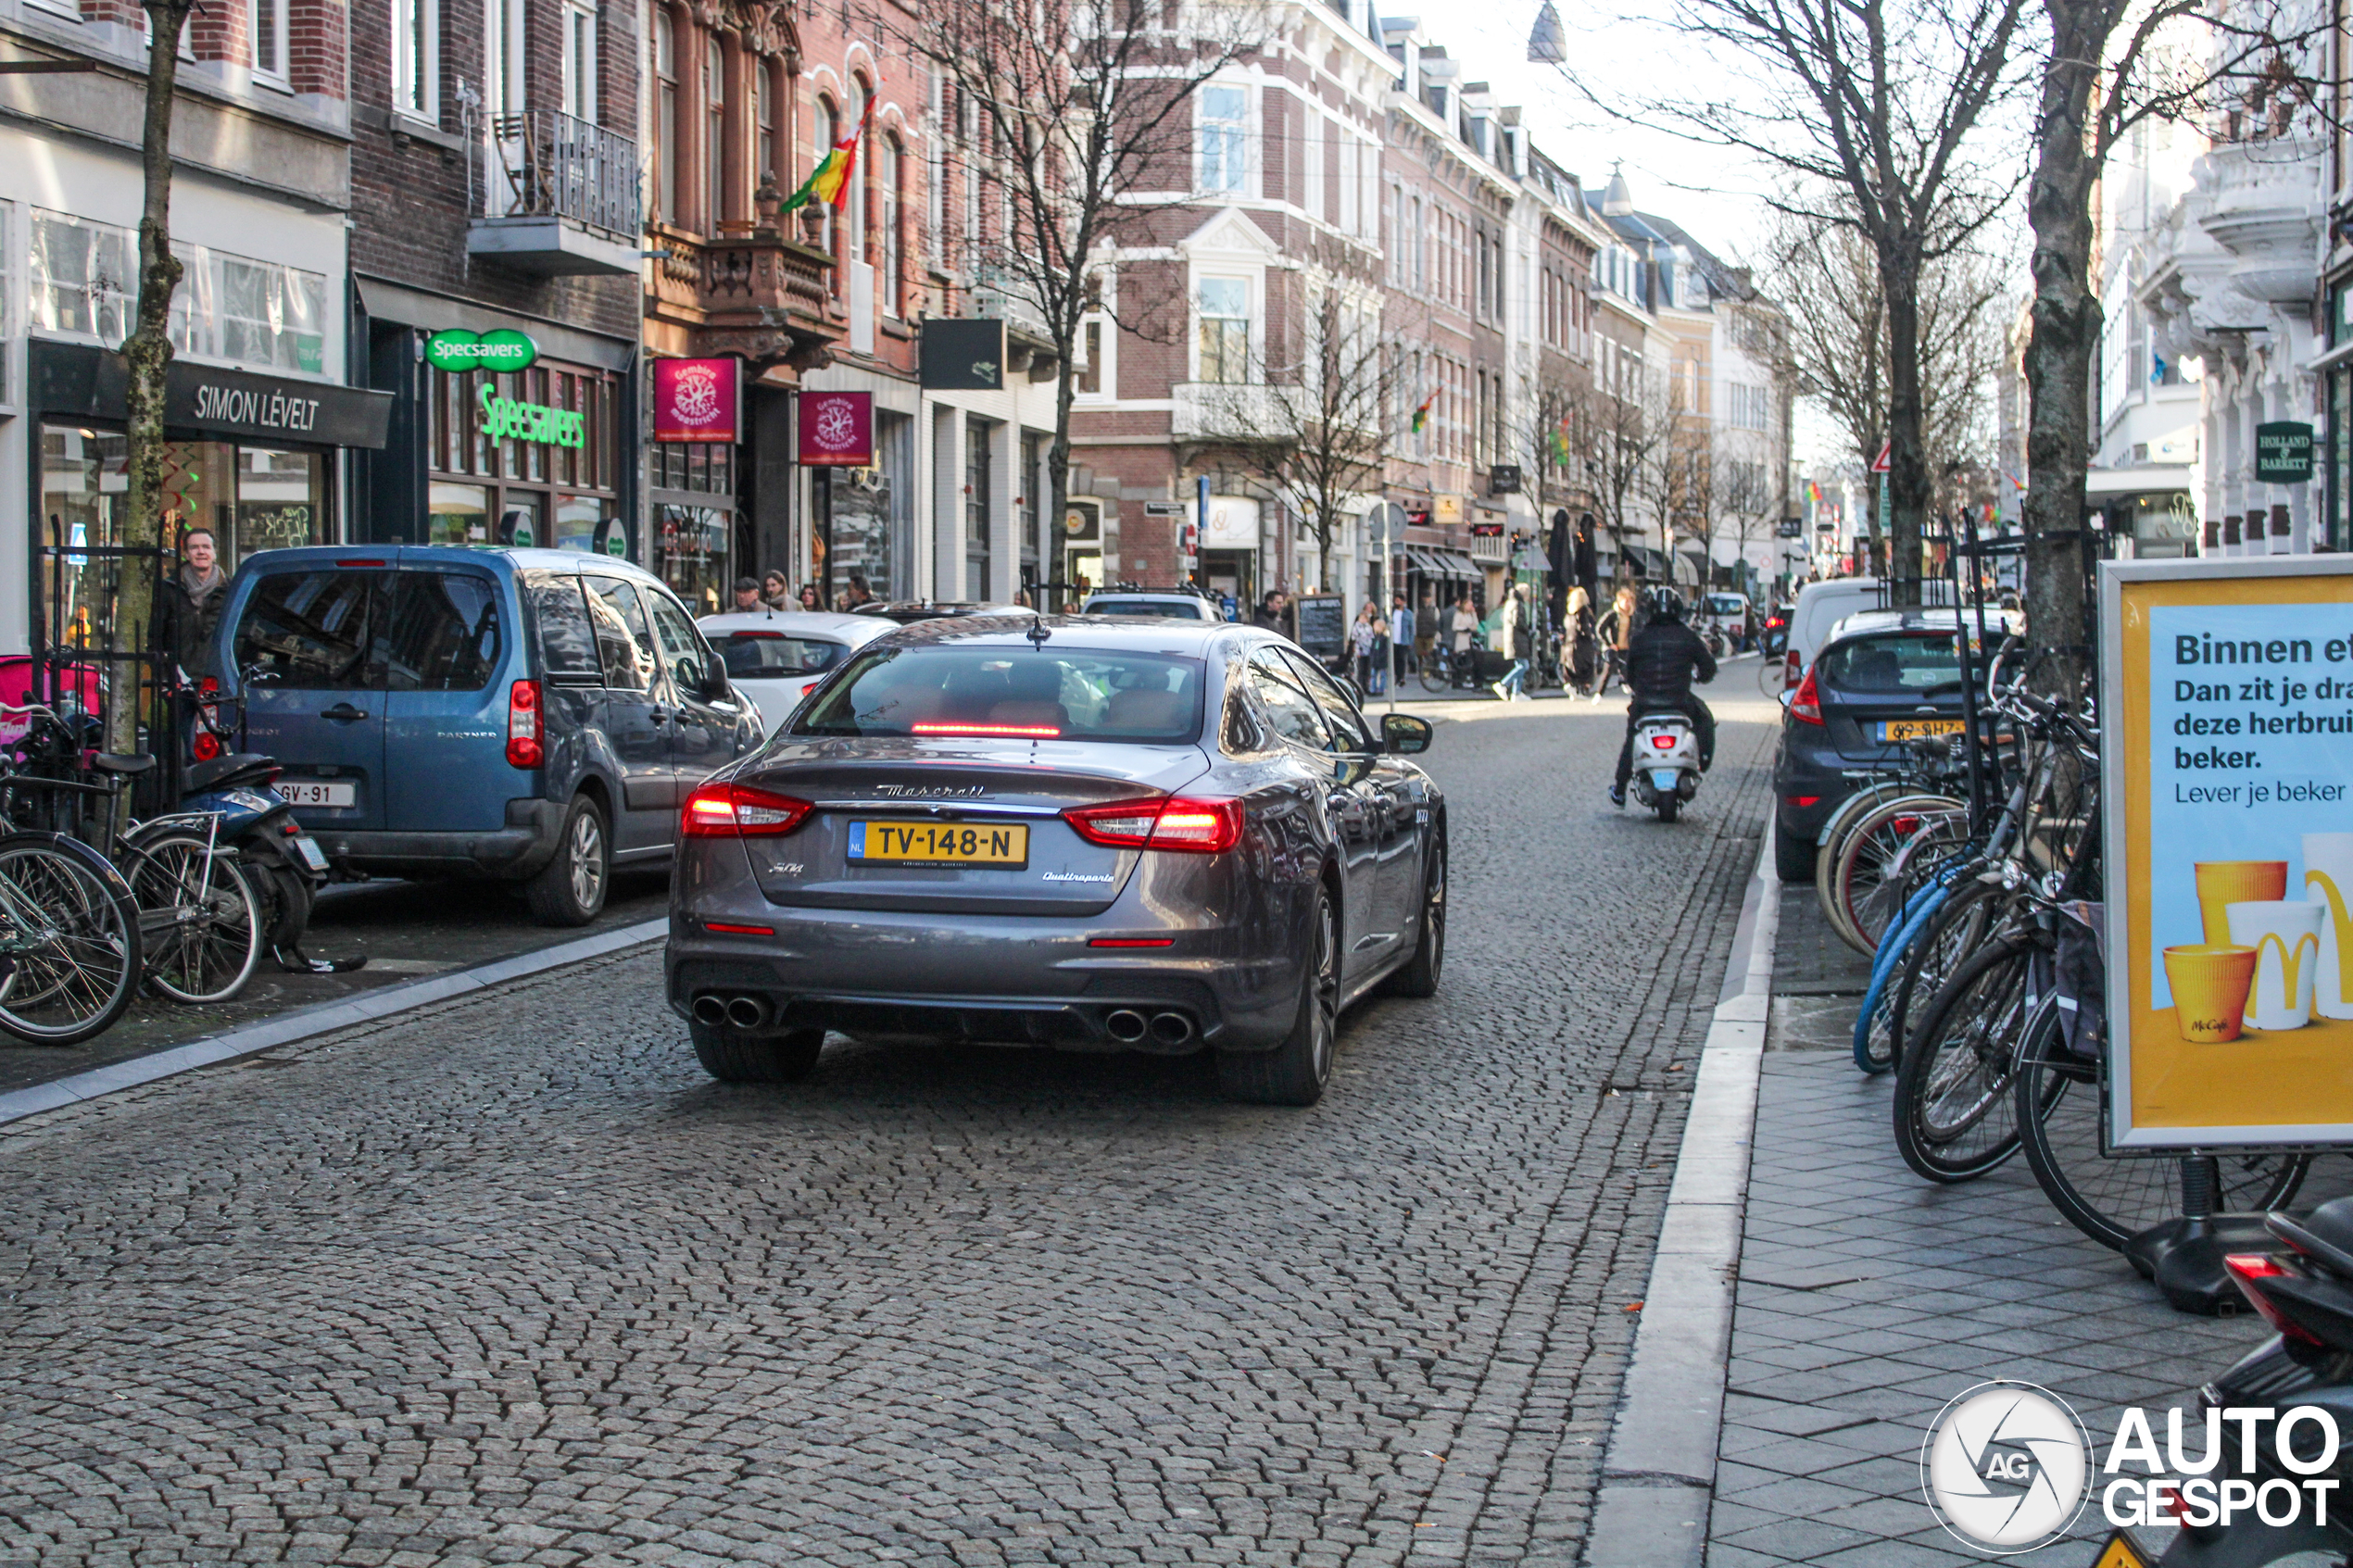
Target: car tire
1792 857
1295 1071
1420 975
756 1059
570 889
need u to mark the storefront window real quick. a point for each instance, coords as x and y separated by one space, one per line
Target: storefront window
282 498
693 554
2340 460
502 443
459 514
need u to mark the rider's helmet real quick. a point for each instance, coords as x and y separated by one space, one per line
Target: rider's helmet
1662 604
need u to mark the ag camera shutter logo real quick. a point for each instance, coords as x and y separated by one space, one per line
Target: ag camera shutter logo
2005 1467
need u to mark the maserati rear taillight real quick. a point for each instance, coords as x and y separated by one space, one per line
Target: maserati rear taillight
1199 826
734 810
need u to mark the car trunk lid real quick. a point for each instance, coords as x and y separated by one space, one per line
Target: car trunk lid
841 857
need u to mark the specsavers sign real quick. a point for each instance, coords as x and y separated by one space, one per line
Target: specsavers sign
2227 701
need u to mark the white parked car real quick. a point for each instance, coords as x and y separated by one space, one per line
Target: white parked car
776 657
1180 607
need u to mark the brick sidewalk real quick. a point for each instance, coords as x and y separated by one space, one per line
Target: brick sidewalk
1867 1297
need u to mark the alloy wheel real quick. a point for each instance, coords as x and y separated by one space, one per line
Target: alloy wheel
587 860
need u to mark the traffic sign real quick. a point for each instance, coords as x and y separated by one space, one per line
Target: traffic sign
1878 464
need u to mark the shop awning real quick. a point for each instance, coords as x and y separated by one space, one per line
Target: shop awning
1647 562
1454 564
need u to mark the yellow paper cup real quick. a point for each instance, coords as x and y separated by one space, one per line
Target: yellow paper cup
2223 882
2210 983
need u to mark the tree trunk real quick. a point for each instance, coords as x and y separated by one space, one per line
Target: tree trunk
148 350
2058 354
1908 477
1058 488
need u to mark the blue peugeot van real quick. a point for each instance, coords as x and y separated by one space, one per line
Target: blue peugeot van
528 714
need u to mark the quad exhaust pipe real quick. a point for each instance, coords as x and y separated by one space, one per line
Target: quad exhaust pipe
716 1008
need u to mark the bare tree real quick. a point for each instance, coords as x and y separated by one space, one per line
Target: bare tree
1077 120
2106 67
1619 434
1880 102
148 352
1318 430
1744 491
1836 350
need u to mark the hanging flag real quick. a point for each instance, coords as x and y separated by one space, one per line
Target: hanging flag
2157 367
829 181
1813 493
1421 415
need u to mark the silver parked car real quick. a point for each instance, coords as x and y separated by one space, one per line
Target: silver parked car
1156 836
776 657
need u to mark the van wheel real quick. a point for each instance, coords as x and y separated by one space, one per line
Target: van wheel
756 1059
1295 1071
570 889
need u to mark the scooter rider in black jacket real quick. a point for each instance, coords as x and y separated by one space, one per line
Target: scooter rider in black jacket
1660 663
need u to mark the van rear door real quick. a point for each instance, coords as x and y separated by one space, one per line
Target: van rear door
307 663
449 635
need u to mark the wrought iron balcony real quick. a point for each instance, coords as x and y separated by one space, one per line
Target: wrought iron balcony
561 196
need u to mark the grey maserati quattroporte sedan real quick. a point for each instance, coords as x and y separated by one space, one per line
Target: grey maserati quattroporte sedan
1094 833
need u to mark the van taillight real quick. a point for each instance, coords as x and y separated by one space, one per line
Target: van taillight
523 748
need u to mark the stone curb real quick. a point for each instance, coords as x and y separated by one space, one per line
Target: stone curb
1659 1472
303 1024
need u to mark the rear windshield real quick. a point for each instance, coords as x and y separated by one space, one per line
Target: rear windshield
1042 694
1894 663
337 630
753 656
1184 610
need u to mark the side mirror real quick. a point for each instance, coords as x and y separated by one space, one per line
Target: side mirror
715 678
1404 734
1784 694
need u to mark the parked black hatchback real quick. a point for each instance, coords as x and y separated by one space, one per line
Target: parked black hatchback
1885 677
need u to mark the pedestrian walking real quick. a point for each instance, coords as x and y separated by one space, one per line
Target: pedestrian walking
747 593
810 599
1273 614
1425 632
1513 643
775 592
1460 633
192 599
1400 638
1362 638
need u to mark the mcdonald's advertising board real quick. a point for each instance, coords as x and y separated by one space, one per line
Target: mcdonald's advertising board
2226 708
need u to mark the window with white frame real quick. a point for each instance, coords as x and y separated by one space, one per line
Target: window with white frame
1098 343
1350 221
1224 140
665 127
8 252
266 22
1221 307
503 54
83 284
890 171
580 61
416 71
1311 163
934 174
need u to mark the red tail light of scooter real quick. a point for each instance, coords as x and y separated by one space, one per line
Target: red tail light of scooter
2251 1271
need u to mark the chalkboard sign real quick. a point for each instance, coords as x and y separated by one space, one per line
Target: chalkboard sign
1322 624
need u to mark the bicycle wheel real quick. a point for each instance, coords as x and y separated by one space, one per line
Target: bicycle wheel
2113 1201
68 940
1833 836
1772 675
1953 1118
1865 856
201 916
1959 929
1436 671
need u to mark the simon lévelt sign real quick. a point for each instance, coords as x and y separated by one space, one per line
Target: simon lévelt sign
457 351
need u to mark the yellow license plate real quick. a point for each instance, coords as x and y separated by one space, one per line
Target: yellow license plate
940 844
1912 729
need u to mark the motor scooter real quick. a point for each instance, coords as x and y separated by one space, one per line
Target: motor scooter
2302 1285
258 823
1666 762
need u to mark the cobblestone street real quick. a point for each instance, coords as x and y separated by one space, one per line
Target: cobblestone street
511 1280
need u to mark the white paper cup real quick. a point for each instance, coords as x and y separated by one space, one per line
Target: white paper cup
2286 935
2328 881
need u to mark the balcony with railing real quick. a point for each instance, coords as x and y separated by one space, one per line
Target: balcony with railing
748 292
559 195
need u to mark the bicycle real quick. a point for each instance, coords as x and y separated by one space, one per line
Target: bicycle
200 912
